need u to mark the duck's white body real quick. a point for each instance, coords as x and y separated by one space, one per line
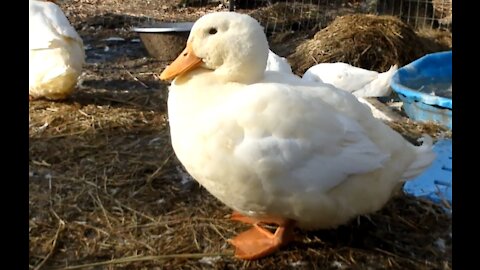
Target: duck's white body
56 52
271 145
312 154
358 81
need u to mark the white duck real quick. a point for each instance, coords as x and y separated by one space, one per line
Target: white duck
56 52
277 149
358 81
280 64
277 63
362 83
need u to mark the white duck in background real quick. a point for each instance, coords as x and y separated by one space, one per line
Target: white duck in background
278 150
358 81
362 83
277 63
57 54
340 76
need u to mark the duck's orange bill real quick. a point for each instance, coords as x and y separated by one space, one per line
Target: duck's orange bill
186 61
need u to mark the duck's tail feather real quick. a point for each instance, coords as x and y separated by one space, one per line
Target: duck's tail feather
425 158
380 87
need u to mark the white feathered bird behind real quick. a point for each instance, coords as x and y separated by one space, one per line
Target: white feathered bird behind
57 53
277 63
358 81
364 83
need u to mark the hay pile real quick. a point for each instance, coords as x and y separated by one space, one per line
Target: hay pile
367 41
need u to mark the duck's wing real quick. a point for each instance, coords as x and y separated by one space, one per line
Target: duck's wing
294 139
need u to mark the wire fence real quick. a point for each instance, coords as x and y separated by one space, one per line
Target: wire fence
417 13
277 16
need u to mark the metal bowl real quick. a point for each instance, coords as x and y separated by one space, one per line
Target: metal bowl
164 41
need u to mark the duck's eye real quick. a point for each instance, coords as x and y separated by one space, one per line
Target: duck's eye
212 31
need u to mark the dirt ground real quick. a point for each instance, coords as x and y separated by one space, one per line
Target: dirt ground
107 192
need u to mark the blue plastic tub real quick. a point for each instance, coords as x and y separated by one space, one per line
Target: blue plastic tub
415 82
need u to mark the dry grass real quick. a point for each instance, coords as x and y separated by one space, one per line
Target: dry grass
106 189
362 40
412 130
107 192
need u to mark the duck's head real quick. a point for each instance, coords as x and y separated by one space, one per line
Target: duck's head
232 45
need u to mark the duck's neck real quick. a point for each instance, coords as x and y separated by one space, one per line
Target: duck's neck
247 71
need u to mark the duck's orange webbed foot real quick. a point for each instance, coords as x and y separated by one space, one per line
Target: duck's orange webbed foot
259 242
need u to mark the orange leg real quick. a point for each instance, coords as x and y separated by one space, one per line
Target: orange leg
239 217
259 242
